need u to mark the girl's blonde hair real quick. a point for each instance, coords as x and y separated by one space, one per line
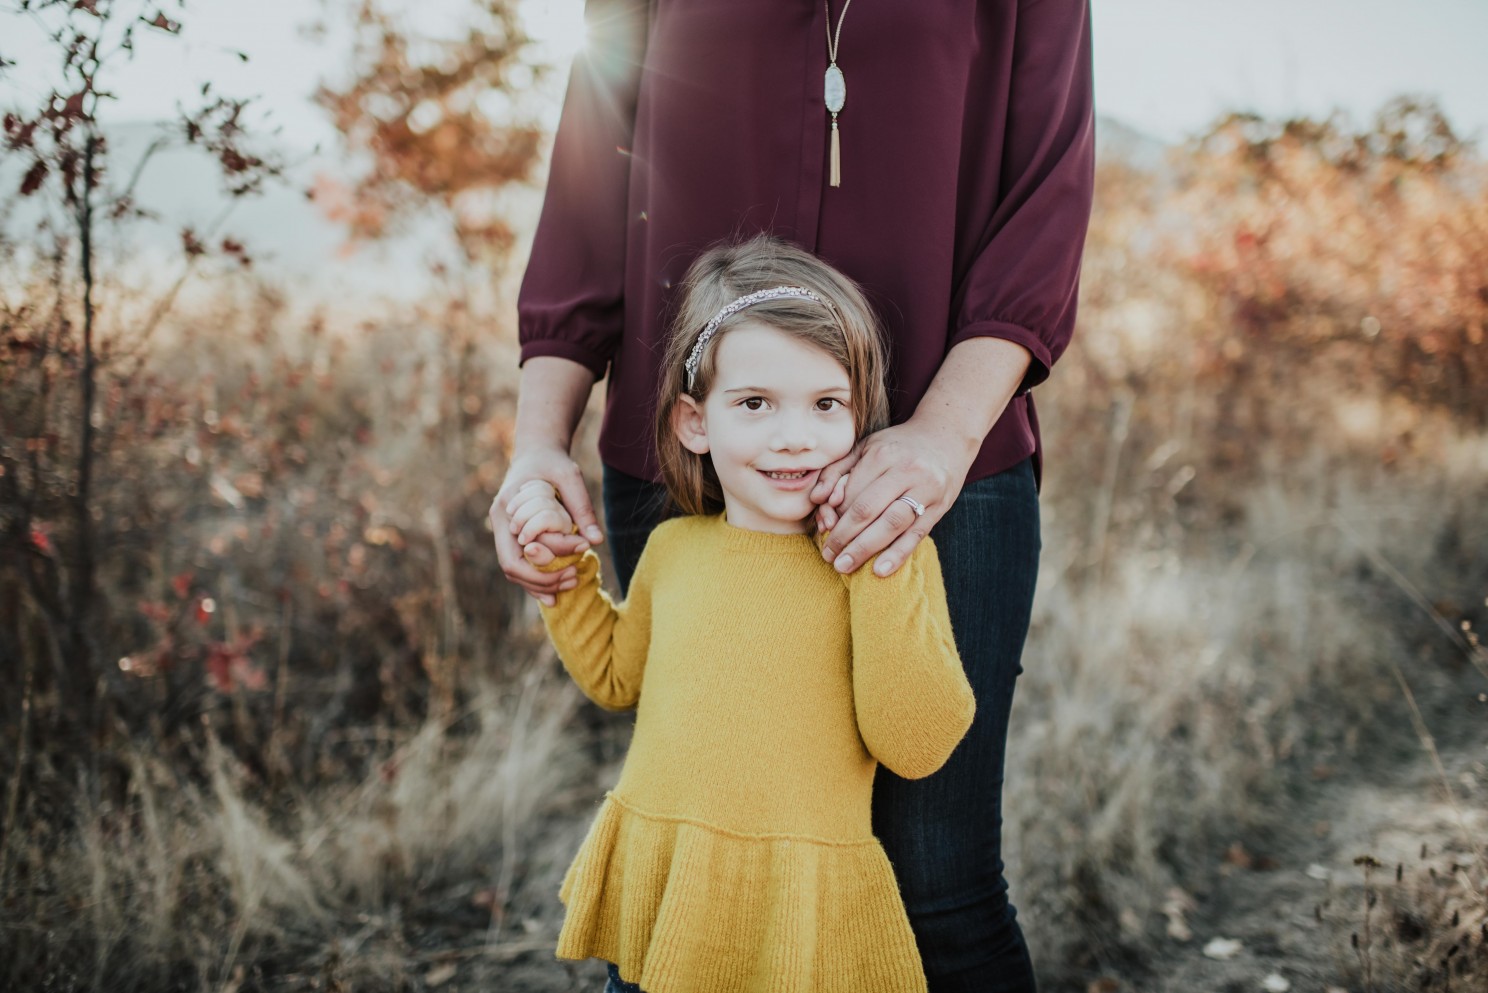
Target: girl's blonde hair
847 330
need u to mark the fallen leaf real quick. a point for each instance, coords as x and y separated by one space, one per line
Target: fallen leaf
1175 907
1223 949
1237 855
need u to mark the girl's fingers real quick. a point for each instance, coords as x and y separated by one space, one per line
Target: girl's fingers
827 479
537 553
839 492
525 505
550 519
533 487
517 569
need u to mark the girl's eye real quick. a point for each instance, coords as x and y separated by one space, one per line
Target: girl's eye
829 403
753 403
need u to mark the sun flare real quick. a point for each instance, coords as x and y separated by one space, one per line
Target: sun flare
557 26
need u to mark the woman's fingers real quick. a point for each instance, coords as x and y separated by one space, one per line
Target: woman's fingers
575 497
873 519
890 559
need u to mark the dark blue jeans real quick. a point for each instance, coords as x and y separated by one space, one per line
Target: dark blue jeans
618 985
943 834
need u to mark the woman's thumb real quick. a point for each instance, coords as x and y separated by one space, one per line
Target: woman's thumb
575 497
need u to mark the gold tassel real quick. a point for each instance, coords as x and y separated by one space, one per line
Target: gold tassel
836 179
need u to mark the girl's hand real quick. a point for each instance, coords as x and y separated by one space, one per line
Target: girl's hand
905 459
553 467
826 514
535 511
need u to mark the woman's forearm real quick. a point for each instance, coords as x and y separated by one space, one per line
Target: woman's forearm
552 397
971 390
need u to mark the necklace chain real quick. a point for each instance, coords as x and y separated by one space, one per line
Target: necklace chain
831 40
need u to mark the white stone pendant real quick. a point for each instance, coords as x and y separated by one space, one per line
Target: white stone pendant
836 89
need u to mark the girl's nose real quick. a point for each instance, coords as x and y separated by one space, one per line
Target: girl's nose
792 434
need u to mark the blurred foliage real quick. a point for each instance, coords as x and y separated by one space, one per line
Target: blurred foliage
435 118
1278 291
1360 253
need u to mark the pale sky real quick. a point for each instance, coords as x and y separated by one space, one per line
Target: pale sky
1165 67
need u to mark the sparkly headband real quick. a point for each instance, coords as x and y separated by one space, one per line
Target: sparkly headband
695 357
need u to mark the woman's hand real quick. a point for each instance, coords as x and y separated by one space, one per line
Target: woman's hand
922 462
926 458
544 470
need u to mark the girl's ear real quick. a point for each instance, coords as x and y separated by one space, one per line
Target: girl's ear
689 426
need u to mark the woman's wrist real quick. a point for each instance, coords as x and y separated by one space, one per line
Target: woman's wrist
550 400
973 387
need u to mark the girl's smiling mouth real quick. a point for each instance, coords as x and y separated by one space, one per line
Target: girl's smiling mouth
788 479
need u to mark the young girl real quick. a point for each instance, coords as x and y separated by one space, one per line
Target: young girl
736 852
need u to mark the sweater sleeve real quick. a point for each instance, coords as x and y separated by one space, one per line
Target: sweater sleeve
913 701
571 303
1023 283
602 644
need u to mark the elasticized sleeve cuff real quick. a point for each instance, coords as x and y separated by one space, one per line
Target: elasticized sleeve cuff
1038 368
595 363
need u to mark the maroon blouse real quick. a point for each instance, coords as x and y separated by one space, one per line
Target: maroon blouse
967 171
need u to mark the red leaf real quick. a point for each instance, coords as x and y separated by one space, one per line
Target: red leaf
40 540
181 583
219 662
157 612
165 24
192 243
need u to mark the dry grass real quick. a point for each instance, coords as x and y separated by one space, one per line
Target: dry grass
184 884
1249 549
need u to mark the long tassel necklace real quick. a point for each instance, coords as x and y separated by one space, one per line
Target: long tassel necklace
836 87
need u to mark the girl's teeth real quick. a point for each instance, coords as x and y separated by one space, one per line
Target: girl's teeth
785 475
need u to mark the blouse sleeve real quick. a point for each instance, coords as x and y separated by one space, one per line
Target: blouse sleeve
913 701
571 303
602 644
1023 283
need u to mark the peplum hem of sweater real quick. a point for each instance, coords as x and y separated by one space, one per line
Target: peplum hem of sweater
651 893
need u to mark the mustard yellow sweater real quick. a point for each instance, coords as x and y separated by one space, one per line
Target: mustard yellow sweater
736 853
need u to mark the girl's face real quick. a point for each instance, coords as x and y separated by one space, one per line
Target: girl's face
776 415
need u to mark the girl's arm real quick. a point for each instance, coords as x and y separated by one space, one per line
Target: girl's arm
602 644
914 704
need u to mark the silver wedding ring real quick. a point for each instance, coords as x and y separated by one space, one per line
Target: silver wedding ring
915 505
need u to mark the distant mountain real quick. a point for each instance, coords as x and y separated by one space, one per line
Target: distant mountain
291 238
1115 140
